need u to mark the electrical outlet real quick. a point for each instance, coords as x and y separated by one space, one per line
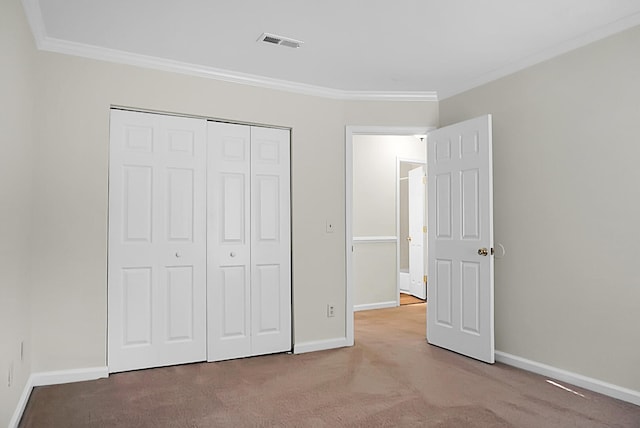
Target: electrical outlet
331 311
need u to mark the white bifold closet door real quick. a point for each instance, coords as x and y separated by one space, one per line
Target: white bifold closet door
157 241
248 235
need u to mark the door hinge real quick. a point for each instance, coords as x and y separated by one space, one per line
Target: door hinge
424 279
424 229
424 179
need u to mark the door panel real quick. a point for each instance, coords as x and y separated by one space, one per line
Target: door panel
157 253
267 294
270 241
443 301
180 204
234 298
460 313
470 207
137 203
443 206
470 297
268 193
228 240
136 299
180 304
234 196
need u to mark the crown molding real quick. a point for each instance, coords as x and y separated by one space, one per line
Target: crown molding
34 18
46 43
51 44
112 55
544 55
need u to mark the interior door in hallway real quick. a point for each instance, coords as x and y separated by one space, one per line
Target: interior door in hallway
157 246
460 238
417 232
249 262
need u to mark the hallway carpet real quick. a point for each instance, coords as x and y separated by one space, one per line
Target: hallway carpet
390 378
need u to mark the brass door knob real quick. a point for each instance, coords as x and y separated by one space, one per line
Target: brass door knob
483 252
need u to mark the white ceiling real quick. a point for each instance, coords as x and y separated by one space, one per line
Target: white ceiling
351 47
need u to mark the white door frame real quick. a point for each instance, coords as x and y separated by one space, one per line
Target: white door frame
350 131
399 160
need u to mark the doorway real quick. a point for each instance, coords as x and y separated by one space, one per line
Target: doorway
374 238
460 245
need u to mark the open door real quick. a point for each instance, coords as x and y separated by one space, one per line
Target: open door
417 285
460 239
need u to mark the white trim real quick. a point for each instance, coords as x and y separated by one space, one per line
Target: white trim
321 345
54 378
22 403
544 55
384 95
348 233
68 376
379 305
374 239
350 131
34 18
389 130
156 63
595 385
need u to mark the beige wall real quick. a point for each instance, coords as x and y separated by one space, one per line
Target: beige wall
567 202
16 150
374 212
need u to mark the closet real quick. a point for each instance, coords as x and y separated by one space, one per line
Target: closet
199 263
248 236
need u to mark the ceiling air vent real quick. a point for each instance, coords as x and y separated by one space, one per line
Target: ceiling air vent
279 40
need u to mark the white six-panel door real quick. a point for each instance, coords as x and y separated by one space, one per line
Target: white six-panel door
229 241
270 241
460 238
248 233
157 245
416 232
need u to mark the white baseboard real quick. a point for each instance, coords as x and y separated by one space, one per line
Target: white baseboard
54 378
379 305
609 389
68 376
22 403
320 345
